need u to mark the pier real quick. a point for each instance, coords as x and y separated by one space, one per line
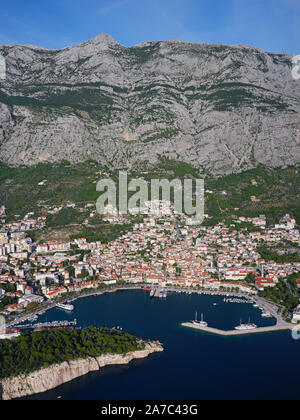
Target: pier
157 292
231 333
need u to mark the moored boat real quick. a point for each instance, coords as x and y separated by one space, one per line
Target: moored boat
201 323
245 327
66 307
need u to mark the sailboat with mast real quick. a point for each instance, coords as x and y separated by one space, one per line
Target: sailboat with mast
243 327
201 323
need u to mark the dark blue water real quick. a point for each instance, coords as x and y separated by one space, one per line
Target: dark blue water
194 365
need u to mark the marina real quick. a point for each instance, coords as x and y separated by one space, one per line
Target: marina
268 311
52 324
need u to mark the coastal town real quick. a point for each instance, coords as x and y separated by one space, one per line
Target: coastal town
162 250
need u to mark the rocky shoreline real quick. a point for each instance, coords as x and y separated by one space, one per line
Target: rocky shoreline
49 378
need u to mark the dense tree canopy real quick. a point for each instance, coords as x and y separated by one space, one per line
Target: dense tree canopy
34 350
270 255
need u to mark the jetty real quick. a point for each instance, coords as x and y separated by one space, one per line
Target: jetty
157 292
274 328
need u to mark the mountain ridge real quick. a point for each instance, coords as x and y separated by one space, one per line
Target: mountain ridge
219 108
104 35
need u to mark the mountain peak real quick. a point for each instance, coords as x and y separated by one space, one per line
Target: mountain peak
104 38
102 41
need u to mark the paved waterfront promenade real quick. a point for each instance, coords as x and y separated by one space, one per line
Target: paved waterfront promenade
238 332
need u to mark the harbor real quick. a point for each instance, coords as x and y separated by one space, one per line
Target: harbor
269 309
186 348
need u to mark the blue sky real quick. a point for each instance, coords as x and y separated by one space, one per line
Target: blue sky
272 25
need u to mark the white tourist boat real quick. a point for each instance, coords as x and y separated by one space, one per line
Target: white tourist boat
65 306
245 327
266 315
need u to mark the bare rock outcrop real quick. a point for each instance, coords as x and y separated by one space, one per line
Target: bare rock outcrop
56 375
220 108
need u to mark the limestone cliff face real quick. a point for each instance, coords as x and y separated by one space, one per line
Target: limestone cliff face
54 376
217 107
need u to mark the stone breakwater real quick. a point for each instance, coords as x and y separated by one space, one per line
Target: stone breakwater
237 332
49 378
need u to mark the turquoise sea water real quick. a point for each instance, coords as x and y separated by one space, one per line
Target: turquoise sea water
194 365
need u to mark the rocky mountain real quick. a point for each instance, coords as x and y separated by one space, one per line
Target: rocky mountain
219 108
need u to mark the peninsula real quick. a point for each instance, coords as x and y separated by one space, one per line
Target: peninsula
37 362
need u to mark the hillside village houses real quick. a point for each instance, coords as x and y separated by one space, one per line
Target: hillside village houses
296 315
157 251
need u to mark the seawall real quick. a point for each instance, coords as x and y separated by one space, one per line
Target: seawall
237 332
